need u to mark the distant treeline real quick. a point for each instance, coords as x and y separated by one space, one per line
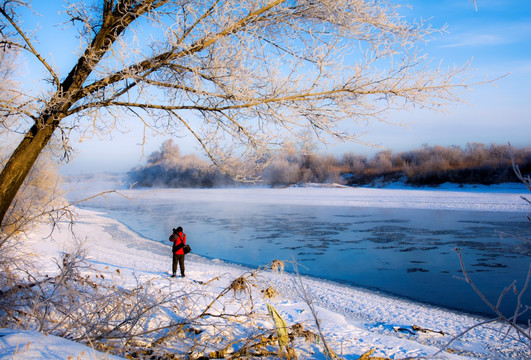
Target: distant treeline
429 165
435 165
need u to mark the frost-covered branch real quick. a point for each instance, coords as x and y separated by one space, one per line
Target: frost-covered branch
245 76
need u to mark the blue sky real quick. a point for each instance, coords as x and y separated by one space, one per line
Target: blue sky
496 39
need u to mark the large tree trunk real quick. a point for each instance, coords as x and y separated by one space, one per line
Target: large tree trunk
114 22
21 161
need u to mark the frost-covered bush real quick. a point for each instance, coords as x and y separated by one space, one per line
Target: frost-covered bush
150 319
167 168
281 172
306 168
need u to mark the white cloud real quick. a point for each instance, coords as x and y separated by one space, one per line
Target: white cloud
477 40
494 34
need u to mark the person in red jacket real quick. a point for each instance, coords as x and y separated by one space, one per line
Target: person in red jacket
179 240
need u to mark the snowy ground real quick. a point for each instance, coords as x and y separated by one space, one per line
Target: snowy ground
354 321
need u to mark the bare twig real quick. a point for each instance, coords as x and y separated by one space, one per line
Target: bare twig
306 296
511 322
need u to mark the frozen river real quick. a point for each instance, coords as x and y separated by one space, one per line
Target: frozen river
408 252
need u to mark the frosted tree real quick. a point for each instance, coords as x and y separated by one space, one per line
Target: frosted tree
239 76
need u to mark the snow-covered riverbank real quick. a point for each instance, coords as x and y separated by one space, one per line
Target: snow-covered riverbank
354 320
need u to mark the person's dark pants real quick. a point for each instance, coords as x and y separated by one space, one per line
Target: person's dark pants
178 258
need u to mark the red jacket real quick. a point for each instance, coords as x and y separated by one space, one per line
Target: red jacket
179 240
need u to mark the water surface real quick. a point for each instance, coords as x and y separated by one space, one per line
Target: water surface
404 252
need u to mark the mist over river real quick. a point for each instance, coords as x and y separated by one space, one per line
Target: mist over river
403 251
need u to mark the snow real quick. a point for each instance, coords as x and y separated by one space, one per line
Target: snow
19 344
354 320
361 197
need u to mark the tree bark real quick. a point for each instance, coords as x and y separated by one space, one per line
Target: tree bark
21 162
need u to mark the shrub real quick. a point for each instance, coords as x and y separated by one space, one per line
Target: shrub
167 168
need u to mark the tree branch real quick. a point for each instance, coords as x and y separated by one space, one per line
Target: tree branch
30 47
